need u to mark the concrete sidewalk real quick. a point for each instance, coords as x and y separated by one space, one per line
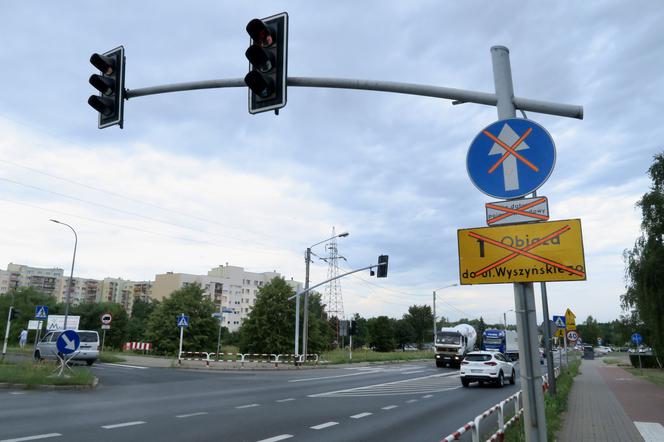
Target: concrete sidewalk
601 409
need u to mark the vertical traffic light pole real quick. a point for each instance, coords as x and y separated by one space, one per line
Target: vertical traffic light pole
524 293
9 321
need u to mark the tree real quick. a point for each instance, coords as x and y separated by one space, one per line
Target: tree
91 312
24 300
420 318
360 339
589 331
140 315
645 262
201 335
270 325
381 334
403 332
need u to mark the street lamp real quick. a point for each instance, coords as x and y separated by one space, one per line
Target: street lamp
505 317
71 275
434 309
305 325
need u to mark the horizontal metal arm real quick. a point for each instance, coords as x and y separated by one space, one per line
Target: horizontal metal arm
332 279
458 95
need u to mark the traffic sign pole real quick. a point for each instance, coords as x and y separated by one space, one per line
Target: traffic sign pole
547 341
524 293
180 350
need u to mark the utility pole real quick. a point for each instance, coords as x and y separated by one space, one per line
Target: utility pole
434 317
524 294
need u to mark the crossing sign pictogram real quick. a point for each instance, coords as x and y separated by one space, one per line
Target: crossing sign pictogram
537 252
183 321
526 210
41 312
511 158
559 321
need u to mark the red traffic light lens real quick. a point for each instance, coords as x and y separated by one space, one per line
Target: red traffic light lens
259 33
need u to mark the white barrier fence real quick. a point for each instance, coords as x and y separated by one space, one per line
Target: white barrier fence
502 409
267 358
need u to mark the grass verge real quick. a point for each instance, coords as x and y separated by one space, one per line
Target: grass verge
342 356
111 357
31 375
654 375
611 361
554 406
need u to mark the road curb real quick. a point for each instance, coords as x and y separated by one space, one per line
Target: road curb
8 385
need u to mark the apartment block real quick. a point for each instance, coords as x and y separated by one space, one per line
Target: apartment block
229 287
45 280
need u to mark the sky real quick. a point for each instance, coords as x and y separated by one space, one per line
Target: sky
194 181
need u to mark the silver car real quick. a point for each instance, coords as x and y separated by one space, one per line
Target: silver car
88 351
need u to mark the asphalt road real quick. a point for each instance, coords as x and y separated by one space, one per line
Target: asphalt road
396 402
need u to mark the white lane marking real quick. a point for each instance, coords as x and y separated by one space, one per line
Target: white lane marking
200 413
410 401
403 385
277 438
248 406
389 407
361 415
412 372
427 396
325 425
108 364
124 424
17 392
650 431
331 377
35 437
286 400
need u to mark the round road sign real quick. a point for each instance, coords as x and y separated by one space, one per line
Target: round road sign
106 318
572 335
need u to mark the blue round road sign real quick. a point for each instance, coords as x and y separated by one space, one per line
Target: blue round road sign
637 338
68 342
511 158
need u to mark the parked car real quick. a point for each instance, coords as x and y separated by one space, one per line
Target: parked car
409 347
88 350
486 366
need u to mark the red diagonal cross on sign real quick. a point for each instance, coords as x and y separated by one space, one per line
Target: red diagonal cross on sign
510 150
524 252
520 211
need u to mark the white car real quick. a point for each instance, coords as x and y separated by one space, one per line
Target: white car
486 366
88 350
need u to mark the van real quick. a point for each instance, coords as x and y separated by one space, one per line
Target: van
88 351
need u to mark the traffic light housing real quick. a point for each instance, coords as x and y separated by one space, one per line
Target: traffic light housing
13 313
381 271
353 328
268 58
110 84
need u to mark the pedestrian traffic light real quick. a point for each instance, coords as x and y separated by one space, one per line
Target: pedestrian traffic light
353 328
381 271
110 84
268 56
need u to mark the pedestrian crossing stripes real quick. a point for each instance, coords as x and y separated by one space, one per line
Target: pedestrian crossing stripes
422 385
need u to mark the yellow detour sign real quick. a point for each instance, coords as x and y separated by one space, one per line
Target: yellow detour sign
534 252
570 320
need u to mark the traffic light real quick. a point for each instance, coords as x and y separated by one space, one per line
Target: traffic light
13 313
381 271
353 328
110 84
268 56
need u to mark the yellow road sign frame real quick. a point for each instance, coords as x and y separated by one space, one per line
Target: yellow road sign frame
535 252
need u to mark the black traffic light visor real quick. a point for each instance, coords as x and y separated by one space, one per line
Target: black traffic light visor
259 84
105 85
259 58
260 33
104 63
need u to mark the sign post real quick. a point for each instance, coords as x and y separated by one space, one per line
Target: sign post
41 314
106 319
182 322
638 339
67 344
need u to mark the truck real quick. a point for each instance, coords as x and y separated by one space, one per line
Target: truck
504 341
453 343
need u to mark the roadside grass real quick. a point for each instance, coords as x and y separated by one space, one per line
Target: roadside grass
654 375
611 361
27 350
342 356
554 406
31 374
111 357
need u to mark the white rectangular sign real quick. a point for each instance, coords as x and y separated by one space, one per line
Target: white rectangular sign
526 210
57 322
104 326
33 324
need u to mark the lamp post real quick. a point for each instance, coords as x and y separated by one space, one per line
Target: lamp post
71 275
305 325
505 317
434 309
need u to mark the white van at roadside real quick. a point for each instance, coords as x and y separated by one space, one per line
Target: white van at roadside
88 351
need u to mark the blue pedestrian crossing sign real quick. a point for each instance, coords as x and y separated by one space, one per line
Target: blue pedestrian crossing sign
183 321
41 312
511 158
68 342
559 321
637 338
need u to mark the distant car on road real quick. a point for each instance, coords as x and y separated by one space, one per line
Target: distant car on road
486 366
88 351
